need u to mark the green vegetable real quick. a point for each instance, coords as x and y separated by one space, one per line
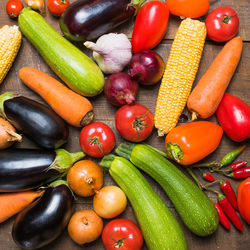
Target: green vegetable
195 209
230 157
160 229
76 69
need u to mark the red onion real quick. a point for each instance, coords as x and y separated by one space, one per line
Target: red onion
147 67
120 89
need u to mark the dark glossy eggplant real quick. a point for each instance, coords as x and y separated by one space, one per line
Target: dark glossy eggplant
89 19
35 120
24 169
45 219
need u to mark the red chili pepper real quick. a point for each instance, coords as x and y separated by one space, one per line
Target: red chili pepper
240 173
208 177
222 217
229 192
237 165
230 212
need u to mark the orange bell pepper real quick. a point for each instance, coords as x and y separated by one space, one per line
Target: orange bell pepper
243 199
191 142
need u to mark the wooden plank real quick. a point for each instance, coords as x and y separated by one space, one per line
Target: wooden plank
242 7
104 111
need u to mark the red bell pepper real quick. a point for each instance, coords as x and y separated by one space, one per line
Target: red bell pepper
234 116
150 25
243 199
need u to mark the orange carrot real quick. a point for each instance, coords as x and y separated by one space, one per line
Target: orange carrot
206 96
12 203
73 108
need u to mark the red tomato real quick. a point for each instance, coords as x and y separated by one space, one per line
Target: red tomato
188 8
97 139
122 234
57 7
150 25
134 122
243 199
222 24
13 8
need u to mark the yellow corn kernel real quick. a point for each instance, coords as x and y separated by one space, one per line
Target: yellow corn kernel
179 75
10 42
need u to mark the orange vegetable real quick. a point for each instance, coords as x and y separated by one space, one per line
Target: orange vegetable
36 5
206 96
12 203
191 142
8 134
73 108
188 8
243 199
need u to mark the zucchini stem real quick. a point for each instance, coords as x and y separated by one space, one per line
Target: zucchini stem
107 161
125 150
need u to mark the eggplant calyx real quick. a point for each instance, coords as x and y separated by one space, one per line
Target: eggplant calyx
4 97
64 160
136 4
58 183
174 151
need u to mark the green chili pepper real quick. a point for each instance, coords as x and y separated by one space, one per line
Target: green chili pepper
230 157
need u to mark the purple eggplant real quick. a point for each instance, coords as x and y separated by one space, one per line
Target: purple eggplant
44 219
35 120
24 169
89 19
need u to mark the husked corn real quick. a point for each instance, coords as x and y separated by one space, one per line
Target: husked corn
10 41
179 75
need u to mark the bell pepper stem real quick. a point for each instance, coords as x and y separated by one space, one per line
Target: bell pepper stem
174 151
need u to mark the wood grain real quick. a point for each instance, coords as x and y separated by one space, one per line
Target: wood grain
104 111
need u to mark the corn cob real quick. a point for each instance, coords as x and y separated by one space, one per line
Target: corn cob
10 41
179 75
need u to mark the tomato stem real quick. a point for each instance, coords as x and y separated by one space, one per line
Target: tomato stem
138 123
225 18
118 242
95 141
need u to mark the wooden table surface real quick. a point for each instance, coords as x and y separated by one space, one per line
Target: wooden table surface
104 111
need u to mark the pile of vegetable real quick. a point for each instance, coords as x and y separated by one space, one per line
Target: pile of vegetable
40 185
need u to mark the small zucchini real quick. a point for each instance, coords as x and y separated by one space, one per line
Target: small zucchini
195 209
76 69
160 229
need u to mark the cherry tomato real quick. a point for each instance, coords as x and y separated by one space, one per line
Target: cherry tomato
154 16
97 139
222 24
134 122
188 8
243 199
122 234
13 8
57 7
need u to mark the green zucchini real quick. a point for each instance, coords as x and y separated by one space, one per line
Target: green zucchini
160 229
76 69
195 209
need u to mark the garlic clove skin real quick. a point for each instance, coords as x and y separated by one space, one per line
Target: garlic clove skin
112 52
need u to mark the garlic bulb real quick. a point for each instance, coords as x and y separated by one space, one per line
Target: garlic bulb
112 52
